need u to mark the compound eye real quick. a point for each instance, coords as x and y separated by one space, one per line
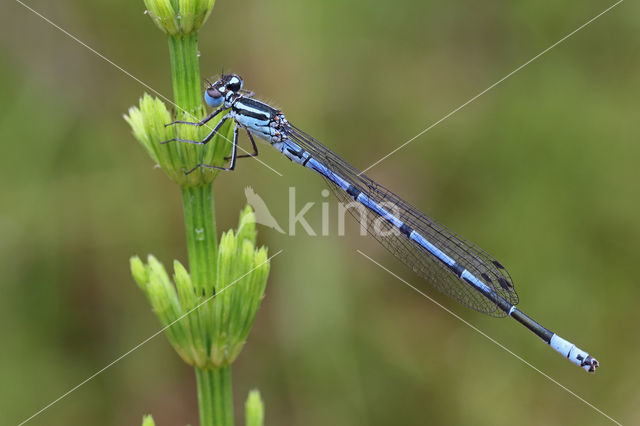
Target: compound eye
213 97
234 84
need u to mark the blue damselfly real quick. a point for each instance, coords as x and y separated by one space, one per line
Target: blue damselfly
451 264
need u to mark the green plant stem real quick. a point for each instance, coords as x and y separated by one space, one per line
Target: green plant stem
202 240
214 396
214 386
185 71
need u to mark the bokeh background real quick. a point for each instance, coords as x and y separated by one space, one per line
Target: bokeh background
542 172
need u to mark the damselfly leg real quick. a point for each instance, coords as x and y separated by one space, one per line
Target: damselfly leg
198 123
253 143
205 140
234 152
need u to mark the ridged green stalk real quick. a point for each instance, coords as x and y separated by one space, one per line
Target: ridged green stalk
185 71
208 311
212 386
202 239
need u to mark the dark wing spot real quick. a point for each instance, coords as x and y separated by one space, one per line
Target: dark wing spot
498 264
486 278
504 283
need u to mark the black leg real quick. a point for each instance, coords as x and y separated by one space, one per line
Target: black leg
232 164
199 123
205 140
255 148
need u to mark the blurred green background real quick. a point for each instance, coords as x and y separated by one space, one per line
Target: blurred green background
542 172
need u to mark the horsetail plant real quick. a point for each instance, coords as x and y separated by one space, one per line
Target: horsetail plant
208 309
254 409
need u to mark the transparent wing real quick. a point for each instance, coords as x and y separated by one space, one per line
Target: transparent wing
466 254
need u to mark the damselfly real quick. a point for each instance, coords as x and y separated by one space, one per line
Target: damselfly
454 266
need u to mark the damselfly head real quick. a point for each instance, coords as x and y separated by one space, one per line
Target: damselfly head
217 91
213 97
232 82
